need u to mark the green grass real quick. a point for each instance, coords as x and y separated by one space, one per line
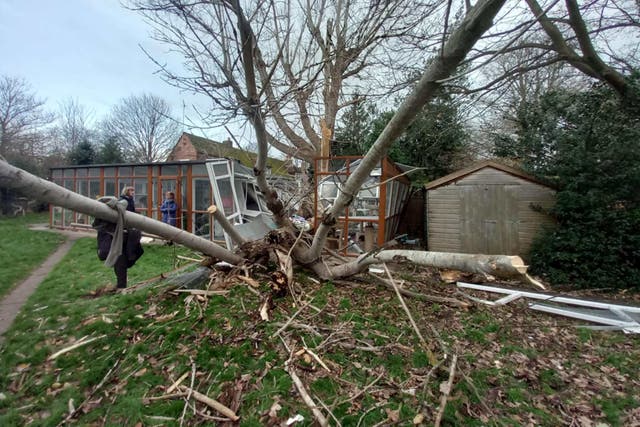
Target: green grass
513 369
21 249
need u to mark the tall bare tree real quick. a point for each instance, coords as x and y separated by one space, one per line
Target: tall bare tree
73 124
309 57
596 38
143 127
22 120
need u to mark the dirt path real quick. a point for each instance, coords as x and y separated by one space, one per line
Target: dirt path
12 303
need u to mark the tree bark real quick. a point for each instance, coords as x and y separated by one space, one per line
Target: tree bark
37 188
501 266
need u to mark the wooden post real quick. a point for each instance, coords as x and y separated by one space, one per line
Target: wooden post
325 145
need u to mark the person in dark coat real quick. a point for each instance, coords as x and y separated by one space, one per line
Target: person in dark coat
169 208
131 247
127 194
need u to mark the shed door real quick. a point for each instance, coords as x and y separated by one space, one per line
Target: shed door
489 219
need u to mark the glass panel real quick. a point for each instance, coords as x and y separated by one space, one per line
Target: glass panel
109 171
366 207
68 217
57 216
83 187
390 192
153 196
370 191
202 224
170 170
226 195
201 194
56 173
141 197
241 194
263 203
94 171
140 171
199 169
183 193
81 172
94 188
68 173
109 187
328 190
218 232
252 199
168 185
221 170
125 171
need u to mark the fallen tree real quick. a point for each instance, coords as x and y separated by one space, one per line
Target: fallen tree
305 252
501 266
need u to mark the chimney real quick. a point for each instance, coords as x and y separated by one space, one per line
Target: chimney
227 143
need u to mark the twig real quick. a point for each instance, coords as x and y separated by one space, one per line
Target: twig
373 408
326 408
189 392
190 259
320 418
433 298
430 355
249 281
361 392
253 291
167 396
82 341
104 379
291 318
177 383
200 292
446 390
315 356
212 403
159 418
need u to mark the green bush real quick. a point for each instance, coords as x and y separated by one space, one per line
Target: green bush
595 161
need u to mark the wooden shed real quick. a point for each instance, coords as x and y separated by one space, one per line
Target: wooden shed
488 208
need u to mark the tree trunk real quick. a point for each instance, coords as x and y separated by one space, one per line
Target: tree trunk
500 266
37 188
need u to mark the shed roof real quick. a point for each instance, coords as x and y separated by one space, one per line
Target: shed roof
455 176
212 148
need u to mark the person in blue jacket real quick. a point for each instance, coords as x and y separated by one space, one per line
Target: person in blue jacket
169 208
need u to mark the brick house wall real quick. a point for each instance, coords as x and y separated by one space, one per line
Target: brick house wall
183 150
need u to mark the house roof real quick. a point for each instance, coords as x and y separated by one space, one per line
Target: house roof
455 176
212 148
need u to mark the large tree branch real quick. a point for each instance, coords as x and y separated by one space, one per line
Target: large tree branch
590 56
476 22
46 191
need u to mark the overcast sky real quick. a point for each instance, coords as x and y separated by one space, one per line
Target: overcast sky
88 50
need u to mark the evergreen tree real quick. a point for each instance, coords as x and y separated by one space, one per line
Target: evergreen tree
82 154
110 152
351 136
436 141
590 142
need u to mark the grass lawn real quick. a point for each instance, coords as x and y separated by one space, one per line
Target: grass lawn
363 364
21 249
